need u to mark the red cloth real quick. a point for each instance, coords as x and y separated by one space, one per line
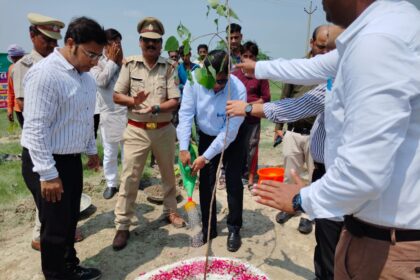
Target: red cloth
255 89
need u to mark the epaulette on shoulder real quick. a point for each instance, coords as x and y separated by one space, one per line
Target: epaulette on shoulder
27 60
131 58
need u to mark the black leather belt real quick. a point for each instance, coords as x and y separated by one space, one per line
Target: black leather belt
298 129
359 228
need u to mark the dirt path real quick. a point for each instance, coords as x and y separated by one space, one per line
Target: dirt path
280 251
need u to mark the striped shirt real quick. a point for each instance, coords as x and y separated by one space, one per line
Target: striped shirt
308 105
59 107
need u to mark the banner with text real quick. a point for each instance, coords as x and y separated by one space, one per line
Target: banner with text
4 66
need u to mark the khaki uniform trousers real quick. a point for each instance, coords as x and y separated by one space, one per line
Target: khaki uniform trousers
296 153
370 259
137 144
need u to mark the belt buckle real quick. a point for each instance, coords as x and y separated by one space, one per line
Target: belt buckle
151 125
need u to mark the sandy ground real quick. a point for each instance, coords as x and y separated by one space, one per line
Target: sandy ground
278 250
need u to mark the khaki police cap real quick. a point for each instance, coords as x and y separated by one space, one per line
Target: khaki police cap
48 26
150 27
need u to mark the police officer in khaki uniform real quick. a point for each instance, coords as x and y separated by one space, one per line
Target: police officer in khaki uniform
146 85
44 32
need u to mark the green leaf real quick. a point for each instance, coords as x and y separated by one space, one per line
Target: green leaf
187 46
232 14
221 10
204 78
213 3
216 21
183 31
221 45
189 77
212 71
171 44
208 11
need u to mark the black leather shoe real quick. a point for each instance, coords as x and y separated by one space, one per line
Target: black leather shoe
85 273
283 217
305 226
109 192
234 241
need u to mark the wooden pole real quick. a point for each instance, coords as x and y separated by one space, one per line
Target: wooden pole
310 12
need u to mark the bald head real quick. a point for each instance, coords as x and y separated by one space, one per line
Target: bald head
333 32
319 40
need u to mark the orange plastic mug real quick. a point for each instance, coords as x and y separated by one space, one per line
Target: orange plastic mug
271 173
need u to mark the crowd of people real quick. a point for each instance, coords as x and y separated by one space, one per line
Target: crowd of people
349 116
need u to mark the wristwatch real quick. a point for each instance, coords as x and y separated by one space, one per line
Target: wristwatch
155 109
297 203
248 109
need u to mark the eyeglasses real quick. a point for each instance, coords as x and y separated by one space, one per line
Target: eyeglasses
221 81
91 55
149 40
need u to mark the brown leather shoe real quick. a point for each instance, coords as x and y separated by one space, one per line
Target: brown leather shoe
36 245
120 239
176 220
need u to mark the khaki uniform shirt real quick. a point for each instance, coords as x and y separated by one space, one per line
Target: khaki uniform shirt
136 76
21 68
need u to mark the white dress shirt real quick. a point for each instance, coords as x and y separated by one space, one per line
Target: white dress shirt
59 107
301 71
113 116
210 111
372 119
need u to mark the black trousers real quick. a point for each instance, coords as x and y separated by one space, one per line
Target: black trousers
327 235
58 220
19 116
96 119
233 161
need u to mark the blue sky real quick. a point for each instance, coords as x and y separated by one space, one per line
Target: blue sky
278 26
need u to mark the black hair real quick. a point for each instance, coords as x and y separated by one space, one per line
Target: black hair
34 30
251 47
234 27
202 46
219 60
112 34
84 30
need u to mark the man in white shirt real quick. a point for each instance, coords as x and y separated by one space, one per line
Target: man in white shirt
372 154
59 106
113 117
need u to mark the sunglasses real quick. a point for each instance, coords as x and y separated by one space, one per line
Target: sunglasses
149 40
